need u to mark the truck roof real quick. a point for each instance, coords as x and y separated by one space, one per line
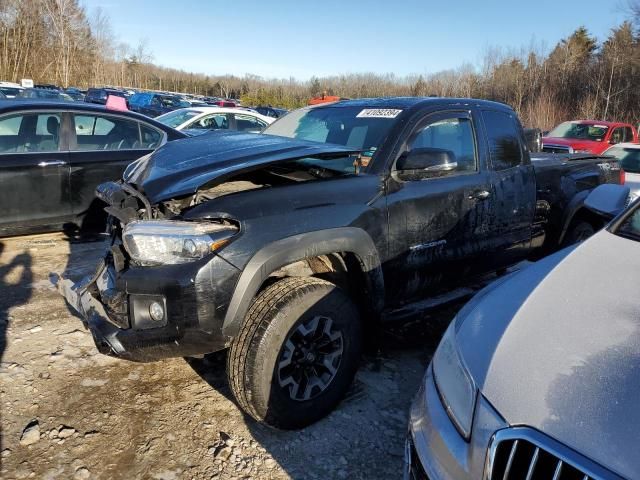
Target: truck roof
408 102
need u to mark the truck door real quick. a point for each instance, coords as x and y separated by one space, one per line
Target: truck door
514 189
34 171
437 220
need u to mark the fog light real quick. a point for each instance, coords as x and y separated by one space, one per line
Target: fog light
156 311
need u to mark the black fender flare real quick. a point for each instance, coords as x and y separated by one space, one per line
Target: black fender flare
575 204
292 249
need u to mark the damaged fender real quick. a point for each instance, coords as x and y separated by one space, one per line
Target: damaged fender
298 247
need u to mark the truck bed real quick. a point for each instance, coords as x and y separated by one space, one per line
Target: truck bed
561 178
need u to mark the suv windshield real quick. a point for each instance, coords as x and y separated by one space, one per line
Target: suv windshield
580 131
177 117
355 127
629 158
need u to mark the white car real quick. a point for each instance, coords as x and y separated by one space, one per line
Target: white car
198 120
10 89
629 156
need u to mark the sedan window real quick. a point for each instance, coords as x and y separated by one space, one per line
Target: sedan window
30 133
94 132
217 121
247 123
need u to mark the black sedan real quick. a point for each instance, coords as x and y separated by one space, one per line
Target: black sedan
54 154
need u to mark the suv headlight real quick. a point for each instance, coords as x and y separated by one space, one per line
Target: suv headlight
454 383
166 242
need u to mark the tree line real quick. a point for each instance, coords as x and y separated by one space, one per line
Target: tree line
57 41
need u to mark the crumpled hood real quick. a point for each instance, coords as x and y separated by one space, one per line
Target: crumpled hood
557 347
180 167
576 144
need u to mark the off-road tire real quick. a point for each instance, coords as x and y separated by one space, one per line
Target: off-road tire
253 359
578 231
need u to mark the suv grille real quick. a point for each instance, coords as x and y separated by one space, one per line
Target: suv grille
524 453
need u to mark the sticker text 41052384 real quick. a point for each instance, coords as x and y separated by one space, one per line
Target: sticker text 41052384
379 113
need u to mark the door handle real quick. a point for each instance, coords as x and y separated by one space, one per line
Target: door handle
480 195
52 163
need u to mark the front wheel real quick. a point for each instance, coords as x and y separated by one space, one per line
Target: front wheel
296 354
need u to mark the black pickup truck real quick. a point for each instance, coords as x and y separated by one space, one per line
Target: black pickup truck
286 247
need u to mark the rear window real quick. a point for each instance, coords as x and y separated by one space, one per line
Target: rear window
505 139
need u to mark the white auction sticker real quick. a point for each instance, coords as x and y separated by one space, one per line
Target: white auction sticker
379 113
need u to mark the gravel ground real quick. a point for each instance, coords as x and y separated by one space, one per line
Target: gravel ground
69 412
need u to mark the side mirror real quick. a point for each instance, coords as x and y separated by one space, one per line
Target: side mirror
428 160
607 200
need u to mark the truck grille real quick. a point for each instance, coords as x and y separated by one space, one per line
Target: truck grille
556 149
524 453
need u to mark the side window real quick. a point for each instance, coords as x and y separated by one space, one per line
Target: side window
628 134
217 121
151 137
155 101
94 132
452 135
504 137
30 133
617 136
247 123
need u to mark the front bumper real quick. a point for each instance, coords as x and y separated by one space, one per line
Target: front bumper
435 450
193 323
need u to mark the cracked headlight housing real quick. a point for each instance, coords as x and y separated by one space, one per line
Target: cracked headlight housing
454 383
166 242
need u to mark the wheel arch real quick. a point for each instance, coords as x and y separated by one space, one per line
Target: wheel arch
577 210
356 245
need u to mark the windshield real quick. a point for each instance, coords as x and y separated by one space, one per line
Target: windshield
580 131
177 117
630 227
629 158
354 127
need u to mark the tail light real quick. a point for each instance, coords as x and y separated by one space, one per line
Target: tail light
623 177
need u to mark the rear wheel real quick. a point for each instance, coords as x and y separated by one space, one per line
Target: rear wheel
296 354
579 231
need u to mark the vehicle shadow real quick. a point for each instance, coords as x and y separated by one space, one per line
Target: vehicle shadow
364 436
16 279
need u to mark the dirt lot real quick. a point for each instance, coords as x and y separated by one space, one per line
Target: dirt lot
69 412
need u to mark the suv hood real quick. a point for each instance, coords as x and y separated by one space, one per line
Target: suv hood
557 347
181 167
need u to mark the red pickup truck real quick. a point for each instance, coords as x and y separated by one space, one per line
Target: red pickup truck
588 136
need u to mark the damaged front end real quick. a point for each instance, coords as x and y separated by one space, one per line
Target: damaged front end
146 298
163 288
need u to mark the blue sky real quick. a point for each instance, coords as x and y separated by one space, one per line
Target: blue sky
302 38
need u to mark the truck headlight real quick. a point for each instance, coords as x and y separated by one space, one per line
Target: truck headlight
166 242
454 383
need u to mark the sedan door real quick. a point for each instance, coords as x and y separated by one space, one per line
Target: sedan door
436 221
100 148
34 172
